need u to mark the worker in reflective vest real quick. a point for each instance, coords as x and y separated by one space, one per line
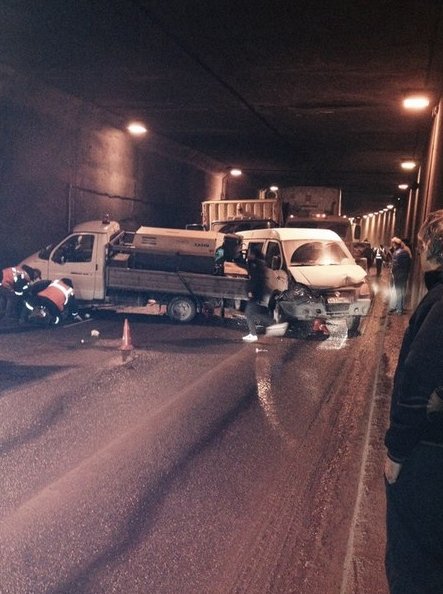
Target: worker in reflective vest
57 297
14 282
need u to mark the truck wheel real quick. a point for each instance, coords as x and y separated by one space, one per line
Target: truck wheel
353 324
181 309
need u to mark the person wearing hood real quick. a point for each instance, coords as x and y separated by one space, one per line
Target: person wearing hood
414 439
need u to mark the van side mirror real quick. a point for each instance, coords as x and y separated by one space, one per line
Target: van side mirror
276 262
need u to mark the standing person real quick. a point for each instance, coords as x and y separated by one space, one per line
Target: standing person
406 245
401 265
414 463
254 311
369 255
379 257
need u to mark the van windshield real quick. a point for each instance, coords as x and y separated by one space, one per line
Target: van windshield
315 253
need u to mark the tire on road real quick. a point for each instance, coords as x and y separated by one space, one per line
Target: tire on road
182 309
275 309
278 314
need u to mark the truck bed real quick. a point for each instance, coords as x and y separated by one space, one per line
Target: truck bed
178 283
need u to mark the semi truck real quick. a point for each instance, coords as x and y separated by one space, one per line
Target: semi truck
316 207
174 269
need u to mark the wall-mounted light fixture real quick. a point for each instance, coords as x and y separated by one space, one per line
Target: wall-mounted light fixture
136 128
416 102
234 172
408 165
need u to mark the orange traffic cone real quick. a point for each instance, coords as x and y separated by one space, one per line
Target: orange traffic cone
126 338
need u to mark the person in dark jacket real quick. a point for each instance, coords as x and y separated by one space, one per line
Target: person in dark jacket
254 311
379 257
401 265
414 439
14 282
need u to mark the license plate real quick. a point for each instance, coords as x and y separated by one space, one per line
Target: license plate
338 300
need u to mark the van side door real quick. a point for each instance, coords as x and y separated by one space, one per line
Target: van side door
276 276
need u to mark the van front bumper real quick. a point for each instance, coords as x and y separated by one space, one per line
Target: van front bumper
324 308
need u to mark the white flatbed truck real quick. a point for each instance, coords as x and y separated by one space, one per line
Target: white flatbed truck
172 268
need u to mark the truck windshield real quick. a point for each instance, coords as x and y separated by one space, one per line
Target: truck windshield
342 229
316 253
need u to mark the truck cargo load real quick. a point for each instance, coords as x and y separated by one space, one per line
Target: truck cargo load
219 215
157 248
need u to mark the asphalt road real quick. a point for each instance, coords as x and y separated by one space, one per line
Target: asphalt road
197 464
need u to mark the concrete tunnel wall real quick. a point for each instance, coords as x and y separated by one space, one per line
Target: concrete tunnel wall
63 161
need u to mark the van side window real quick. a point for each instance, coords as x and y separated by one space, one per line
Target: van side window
253 246
272 249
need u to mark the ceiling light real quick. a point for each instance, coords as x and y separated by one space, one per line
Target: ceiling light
273 188
408 165
416 102
403 186
136 128
390 206
236 172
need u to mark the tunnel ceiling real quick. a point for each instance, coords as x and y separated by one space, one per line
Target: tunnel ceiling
299 92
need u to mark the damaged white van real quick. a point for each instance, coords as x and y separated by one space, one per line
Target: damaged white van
310 273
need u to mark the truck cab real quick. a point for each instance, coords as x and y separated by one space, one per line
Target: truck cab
80 256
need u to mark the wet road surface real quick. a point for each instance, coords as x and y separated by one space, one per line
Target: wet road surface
199 464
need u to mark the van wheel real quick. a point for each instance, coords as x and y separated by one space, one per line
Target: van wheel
181 309
353 324
274 308
278 315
